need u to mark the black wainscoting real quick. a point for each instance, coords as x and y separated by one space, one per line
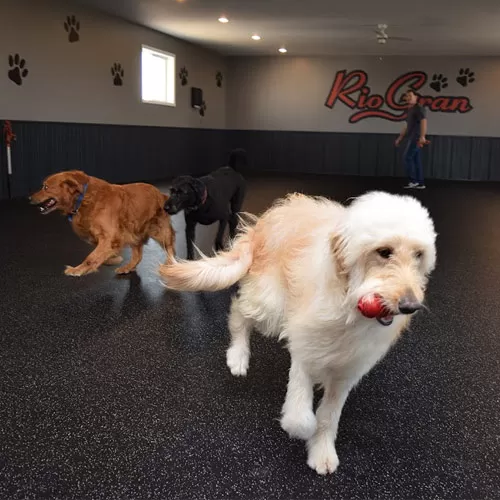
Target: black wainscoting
3 168
447 157
113 152
133 153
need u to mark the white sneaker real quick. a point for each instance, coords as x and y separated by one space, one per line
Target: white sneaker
411 185
420 186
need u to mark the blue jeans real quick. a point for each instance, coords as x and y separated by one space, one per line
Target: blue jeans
413 162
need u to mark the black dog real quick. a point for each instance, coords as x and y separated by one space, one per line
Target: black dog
217 196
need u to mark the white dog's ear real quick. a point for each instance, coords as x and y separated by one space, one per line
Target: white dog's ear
337 245
430 260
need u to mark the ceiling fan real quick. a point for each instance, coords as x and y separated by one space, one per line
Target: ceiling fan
382 36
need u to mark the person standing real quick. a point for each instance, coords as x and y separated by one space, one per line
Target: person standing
415 130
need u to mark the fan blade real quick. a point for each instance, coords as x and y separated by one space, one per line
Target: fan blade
400 38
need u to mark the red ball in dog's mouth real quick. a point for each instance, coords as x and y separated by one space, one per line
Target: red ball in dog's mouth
372 306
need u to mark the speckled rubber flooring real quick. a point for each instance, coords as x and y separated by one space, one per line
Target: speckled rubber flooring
117 389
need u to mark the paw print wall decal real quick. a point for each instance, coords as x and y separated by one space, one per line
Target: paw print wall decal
18 72
183 75
72 27
203 108
465 76
438 83
117 73
218 79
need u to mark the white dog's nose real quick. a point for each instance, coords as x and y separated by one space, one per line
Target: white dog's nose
409 304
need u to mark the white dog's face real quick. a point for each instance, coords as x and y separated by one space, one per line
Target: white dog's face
396 273
388 250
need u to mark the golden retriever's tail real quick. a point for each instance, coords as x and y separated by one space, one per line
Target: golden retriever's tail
211 274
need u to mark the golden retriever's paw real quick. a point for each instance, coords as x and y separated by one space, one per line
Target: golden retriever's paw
124 270
322 456
74 271
299 425
238 359
114 261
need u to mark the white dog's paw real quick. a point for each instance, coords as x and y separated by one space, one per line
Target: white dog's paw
238 359
322 456
299 425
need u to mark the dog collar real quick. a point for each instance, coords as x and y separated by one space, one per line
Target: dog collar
203 199
204 196
78 203
201 192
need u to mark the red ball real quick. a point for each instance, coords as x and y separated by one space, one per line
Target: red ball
372 307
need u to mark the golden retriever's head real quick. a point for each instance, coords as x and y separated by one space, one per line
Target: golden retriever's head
60 191
387 249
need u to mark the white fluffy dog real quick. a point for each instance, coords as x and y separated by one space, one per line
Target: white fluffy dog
303 267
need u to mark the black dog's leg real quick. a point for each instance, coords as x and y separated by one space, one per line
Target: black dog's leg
190 234
236 204
233 224
220 235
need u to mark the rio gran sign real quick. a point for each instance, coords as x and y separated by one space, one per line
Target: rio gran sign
352 90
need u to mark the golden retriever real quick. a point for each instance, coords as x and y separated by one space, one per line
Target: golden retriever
109 216
305 268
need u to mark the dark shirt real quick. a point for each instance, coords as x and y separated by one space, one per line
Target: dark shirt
415 115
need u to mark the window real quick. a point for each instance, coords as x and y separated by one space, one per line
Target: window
158 76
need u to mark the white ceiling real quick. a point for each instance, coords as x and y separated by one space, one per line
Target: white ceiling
321 27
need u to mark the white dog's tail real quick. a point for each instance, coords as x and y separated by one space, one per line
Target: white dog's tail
211 274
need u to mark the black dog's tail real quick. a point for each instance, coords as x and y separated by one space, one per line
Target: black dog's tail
238 159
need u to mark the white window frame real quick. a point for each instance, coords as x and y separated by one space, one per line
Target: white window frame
170 77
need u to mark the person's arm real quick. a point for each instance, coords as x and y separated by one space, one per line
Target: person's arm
423 130
423 126
401 135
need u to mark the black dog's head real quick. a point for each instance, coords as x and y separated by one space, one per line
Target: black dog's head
186 193
238 159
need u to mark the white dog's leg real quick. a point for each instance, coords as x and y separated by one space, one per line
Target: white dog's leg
298 418
238 354
322 456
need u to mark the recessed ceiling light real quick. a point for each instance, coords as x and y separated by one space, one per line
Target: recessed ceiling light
223 19
282 50
255 37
